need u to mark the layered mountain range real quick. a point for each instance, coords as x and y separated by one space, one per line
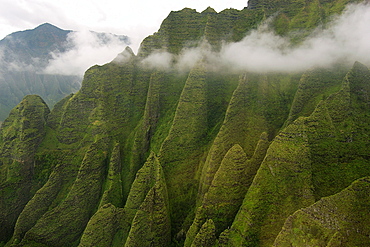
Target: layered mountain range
147 154
25 57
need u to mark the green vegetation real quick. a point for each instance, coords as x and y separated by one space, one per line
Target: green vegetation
181 150
153 157
151 224
78 206
206 235
20 135
102 227
25 52
281 186
337 220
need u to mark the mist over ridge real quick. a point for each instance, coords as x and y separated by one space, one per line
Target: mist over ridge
345 39
48 49
50 62
85 47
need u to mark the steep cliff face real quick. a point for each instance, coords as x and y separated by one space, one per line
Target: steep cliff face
186 28
160 157
301 16
20 136
337 220
306 161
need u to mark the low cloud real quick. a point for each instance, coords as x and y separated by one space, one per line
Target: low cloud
346 39
185 60
10 61
159 60
85 49
189 56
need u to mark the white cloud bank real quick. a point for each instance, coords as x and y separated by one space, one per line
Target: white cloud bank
86 47
136 19
346 39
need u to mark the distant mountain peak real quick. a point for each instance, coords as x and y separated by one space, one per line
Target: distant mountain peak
45 27
28 58
48 26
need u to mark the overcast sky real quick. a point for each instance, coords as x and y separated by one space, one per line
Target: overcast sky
136 19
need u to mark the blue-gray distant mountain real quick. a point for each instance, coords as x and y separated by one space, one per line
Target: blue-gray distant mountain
23 57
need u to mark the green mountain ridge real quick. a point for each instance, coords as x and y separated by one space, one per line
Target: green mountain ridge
141 156
24 57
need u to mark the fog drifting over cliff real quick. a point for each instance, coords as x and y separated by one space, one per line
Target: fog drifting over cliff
346 39
86 48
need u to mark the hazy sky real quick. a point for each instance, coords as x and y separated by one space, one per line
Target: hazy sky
137 19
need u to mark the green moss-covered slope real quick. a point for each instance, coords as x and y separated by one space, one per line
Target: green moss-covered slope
103 226
206 235
338 135
142 156
187 27
78 206
181 150
113 185
294 19
317 165
144 181
151 224
314 86
20 135
281 186
257 105
337 220
225 194
298 17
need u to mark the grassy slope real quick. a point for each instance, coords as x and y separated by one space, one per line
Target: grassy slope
20 135
313 157
337 220
184 119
